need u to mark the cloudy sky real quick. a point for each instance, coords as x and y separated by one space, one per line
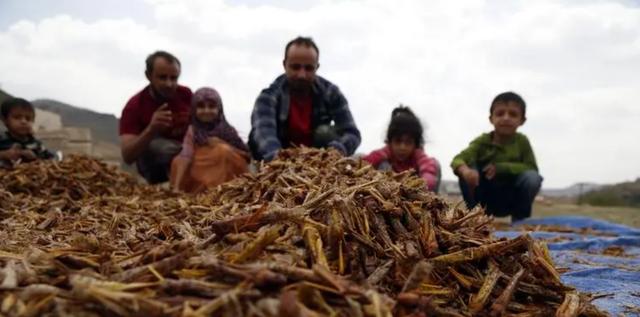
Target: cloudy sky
576 63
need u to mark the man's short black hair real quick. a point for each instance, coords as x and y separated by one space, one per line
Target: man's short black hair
300 40
159 54
13 103
506 97
405 122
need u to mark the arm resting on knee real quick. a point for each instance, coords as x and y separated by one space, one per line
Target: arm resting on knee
133 145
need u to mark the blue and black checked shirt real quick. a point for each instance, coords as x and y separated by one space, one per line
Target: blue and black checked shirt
269 120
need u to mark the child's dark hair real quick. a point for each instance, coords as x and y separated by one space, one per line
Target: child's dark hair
13 103
506 97
405 122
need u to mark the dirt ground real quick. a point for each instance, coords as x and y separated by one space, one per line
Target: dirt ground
621 215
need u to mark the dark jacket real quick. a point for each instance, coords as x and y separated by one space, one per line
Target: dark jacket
7 141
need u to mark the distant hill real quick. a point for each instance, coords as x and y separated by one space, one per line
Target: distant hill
572 191
4 95
104 127
622 194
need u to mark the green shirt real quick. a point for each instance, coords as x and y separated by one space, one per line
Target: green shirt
512 158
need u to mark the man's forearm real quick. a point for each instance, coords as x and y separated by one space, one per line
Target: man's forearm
134 145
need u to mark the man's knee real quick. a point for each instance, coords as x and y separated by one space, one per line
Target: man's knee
163 150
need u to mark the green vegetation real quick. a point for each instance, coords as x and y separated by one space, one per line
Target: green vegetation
623 194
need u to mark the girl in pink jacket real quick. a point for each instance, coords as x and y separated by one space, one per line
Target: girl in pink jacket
404 149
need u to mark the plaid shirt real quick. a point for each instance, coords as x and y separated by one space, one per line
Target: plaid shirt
269 120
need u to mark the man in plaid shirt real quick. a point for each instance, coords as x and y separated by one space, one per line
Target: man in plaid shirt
301 108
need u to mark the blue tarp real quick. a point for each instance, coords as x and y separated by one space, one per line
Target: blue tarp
588 269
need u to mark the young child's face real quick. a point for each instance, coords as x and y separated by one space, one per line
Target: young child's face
403 146
207 111
20 121
506 118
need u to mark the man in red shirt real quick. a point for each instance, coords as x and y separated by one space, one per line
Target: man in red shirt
154 121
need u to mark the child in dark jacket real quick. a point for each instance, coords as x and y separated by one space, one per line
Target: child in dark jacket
498 169
404 149
18 143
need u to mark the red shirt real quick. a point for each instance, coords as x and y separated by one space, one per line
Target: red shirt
138 112
300 126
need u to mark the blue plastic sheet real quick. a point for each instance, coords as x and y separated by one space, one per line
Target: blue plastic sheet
589 269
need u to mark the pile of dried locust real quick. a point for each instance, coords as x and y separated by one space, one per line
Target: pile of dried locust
76 177
312 234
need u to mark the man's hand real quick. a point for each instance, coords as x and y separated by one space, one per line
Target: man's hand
161 120
133 145
489 171
28 155
338 146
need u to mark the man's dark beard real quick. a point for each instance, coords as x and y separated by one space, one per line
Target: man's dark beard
300 86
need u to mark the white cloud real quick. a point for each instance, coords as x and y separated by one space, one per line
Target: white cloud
574 63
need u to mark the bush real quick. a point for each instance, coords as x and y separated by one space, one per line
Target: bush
623 194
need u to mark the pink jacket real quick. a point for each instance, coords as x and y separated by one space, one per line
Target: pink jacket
425 166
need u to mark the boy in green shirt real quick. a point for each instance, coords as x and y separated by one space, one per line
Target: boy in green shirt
498 170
